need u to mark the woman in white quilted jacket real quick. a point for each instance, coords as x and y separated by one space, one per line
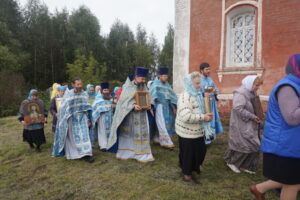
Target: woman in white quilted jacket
191 127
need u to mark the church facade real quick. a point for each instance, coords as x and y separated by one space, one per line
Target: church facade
237 38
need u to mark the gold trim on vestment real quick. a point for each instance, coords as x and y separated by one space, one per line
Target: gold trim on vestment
125 128
140 141
142 152
155 142
144 161
168 146
137 153
125 150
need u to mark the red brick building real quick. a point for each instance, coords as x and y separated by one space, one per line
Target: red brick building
238 38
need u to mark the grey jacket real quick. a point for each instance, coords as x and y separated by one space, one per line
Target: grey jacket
243 132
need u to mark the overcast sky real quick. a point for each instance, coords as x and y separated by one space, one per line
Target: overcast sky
154 15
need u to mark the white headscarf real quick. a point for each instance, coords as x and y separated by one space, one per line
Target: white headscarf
97 88
248 82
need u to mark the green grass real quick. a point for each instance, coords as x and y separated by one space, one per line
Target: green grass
25 174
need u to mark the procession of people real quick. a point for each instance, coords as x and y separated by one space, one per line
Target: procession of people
121 122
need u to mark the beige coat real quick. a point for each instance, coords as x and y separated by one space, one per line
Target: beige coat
188 117
243 132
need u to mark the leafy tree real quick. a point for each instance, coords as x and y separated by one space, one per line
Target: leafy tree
166 55
87 68
120 46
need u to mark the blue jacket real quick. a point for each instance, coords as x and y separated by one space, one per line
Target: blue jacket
280 138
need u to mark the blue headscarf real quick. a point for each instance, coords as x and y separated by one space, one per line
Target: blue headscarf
189 88
115 91
32 91
88 87
62 88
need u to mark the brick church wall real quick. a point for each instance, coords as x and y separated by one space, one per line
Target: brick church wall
280 39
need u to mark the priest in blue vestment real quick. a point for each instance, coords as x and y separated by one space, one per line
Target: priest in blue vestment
103 109
72 130
207 83
165 102
130 135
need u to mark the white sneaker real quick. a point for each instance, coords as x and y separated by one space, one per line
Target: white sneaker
249 172
233 168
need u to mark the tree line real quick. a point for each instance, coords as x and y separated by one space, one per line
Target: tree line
38 48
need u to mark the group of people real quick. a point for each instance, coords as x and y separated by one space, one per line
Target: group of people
122 126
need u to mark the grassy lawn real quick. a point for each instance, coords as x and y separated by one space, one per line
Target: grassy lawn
25 174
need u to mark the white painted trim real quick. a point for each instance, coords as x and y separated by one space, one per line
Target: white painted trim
254 3
181 57
222 35
242 71
230 97
258 37
225 96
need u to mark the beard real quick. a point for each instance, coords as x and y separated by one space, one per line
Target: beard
140 86
106 96
77 90
207 74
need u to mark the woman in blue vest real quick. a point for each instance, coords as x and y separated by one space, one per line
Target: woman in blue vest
281 142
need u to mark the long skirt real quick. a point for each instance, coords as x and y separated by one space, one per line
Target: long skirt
247 161
54 122
34 136
191 154
281 169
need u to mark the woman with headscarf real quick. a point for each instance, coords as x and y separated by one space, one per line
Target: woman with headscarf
191 127
54 91
244 143
90 90
54 105
33 133
98 89
281 142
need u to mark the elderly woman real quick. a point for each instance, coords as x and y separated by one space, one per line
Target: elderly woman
90 90
244 143
191 127
33 133
53 107
281 142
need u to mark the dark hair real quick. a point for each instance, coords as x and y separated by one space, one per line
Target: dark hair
203 66
75 79
65 83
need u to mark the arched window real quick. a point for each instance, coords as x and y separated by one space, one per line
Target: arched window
241 25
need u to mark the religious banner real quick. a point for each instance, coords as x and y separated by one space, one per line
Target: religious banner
143 99
34 113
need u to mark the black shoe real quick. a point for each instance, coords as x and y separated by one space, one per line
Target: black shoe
103 150
187 179
31 146
195 180
169 148
88 159
38 150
